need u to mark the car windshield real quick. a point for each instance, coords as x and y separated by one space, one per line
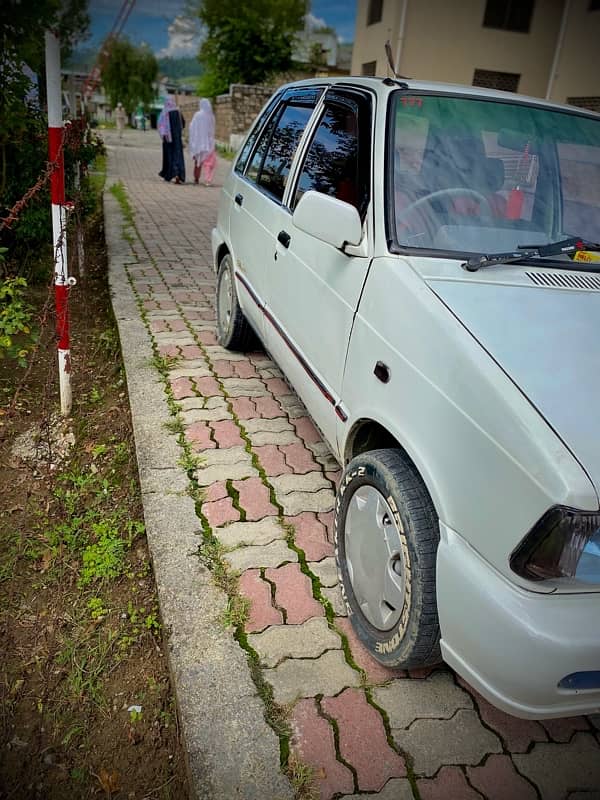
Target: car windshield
480 176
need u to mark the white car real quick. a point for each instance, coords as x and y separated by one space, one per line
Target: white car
422 262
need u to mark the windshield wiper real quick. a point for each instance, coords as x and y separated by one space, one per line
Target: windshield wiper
564 247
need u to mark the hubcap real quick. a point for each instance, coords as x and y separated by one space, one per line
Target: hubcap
225 301
374 558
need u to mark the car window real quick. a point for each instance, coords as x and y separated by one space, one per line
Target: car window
242 158
279 153
580 168
337 161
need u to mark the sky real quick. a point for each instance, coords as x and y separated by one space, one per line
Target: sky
160 23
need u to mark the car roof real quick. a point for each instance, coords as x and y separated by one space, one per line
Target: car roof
386 85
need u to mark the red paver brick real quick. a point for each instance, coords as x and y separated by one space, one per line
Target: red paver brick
563 730
293 593
243 408
326 517
498 779
177 325
334 477
311 535
182 387
254 499
516 733
191 351
375 672
216 491
220 512
299 458
449 784
207 386
227 433
362 740
224 369
262 613
313 744
150 305
199 434
207 337
158 326
278 387
166 305
268 408
271 459
306 430
245 369
169 350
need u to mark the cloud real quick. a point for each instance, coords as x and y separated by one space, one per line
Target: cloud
184 38
311 22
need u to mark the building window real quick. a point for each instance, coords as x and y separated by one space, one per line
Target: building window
591 103
505 81
508 15
374 12
369 68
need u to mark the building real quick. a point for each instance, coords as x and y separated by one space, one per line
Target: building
543 48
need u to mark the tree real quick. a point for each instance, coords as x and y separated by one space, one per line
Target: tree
129 75
247 42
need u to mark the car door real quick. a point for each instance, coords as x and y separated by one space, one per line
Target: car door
258 193
313 288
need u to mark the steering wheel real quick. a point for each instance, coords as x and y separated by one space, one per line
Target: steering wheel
451 192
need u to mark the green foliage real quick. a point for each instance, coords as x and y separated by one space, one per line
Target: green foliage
179 69
105 558
15 318
247 42
129 74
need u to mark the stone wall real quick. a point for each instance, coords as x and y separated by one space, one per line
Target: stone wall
236 110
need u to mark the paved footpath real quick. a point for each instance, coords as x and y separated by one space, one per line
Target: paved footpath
266 492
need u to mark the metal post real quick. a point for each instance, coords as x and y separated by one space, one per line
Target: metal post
59 221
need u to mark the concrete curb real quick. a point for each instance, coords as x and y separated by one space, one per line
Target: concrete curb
230 750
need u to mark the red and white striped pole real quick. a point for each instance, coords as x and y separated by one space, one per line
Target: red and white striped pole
59 218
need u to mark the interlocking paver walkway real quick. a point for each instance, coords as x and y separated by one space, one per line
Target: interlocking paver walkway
268 484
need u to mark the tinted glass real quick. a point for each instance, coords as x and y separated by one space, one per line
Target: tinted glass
332 165
282 147
249 143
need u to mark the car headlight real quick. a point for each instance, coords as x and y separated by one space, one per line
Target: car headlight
564 544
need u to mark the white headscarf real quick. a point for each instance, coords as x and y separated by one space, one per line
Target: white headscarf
202 131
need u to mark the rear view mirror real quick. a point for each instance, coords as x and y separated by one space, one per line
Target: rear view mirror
328 219
517 140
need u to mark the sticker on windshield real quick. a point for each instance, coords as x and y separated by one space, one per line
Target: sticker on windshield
585 255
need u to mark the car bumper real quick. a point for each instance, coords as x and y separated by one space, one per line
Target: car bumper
515 646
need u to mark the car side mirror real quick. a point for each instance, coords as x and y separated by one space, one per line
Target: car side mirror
326 218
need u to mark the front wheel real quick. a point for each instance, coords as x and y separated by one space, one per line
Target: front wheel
386 537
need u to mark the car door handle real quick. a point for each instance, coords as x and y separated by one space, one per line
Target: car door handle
239 199
284 238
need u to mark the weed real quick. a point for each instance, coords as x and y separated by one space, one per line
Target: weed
97 609
164 363
236 613
303 779
105 558
135 715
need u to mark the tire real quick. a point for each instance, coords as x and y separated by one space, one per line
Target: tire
386 539
233 330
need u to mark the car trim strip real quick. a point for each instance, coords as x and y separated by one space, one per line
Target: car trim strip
307 368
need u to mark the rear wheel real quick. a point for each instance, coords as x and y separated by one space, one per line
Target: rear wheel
233 330
386 534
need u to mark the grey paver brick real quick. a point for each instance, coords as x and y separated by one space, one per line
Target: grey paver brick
230 463
435 697
244 387
205 415
557 769
295 678
323 455
259 425
308 640
325 570
309 482
269 555
395 789
435 742
218 353
334 595
292 406
296 502
251 533
262 438
188 371
174 337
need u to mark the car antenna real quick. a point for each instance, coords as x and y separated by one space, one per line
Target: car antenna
390 59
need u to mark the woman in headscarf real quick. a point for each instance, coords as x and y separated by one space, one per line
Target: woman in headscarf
170 127
202 142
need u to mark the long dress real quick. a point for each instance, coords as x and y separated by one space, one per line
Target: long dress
173 164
